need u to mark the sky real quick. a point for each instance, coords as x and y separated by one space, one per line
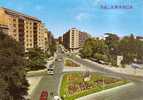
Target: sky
86 15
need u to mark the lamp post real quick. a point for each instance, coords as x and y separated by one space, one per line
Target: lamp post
103 80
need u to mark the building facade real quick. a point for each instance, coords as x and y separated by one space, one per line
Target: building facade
3 28
46 40
27 30
83 37
60 40
74 39
71 39
50 38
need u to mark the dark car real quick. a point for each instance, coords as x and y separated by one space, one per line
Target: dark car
44 95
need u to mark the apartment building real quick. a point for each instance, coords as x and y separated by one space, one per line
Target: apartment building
83 37
74 39
27 30
46 39
50 38
60 40
71 39
3 28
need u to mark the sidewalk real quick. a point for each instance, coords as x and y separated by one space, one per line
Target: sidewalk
75 69
33 82
33 73
34 77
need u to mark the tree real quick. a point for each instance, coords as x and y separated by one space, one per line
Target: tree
100 50
95 48
131 49
52 48
139 48
13 84
36 59
87 50
112 40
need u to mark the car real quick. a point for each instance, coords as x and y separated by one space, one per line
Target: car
59 59
57 98
51 69
44 95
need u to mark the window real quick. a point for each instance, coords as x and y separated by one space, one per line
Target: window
14 30
14 20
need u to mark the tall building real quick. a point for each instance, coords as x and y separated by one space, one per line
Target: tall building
74 39
60 40
71 39
46 41
50 38
4 28
27 30
83 37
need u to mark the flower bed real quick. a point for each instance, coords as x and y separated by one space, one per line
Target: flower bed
74 85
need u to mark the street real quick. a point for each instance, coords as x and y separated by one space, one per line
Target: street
105 71
131 91
50 83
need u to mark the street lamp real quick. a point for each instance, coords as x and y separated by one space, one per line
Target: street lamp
103 79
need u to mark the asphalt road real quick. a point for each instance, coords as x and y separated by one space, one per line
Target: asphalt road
50 83
132 91
107 72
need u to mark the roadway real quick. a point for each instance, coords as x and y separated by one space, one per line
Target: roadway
105 71
50 83
131 91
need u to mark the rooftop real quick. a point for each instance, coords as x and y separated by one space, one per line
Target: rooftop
13 12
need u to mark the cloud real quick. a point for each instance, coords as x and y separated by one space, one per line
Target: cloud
82 16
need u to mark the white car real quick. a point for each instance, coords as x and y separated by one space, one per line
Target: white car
57 98
59 59
51 69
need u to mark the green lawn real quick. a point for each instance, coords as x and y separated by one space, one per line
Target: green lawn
70 63
95 84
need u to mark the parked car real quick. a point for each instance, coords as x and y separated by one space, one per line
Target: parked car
44 95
